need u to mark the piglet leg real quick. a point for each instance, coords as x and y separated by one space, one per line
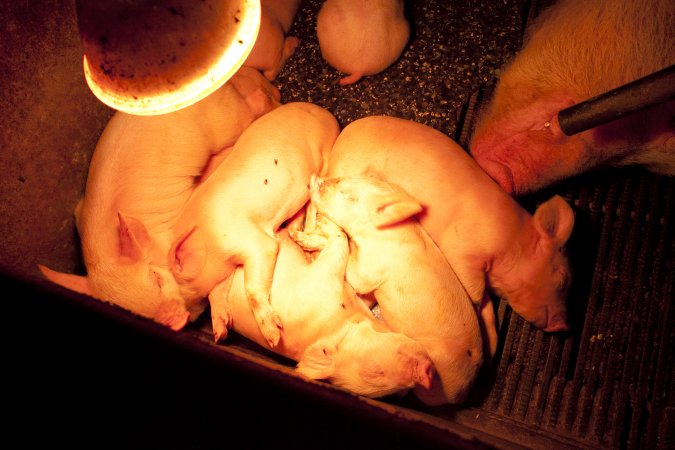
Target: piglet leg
316 232
472 278
259 262
334 254
221 313
488 326
290 44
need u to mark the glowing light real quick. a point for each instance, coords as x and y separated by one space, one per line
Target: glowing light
178 72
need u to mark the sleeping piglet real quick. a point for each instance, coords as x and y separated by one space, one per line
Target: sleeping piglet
143 171
361 37
231 218
483 232
273 47
574 51
328 330
395 260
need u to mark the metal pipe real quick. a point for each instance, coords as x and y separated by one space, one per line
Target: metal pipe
643 93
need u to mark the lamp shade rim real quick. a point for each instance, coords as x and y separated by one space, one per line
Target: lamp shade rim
147 76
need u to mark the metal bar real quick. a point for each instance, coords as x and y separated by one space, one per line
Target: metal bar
643 93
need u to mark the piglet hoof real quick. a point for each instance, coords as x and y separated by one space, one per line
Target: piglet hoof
219 333
221 323
270 327
310 242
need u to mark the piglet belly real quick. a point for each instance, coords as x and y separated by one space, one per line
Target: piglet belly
297 318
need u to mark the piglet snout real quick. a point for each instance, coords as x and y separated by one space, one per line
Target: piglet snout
420 366
424 373
558 322
172 314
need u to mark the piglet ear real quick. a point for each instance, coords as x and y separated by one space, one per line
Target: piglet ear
76 283
188 255
134 239
317 362
554 219
395 208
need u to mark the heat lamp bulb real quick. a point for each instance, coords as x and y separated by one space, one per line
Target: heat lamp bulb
151 57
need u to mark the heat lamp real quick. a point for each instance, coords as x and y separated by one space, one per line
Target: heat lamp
151 57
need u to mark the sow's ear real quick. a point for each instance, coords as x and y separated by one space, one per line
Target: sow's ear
77 283
317 361
554 219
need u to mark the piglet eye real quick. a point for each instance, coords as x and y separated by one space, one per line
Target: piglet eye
372 372
159 281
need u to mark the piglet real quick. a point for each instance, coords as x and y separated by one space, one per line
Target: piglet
395 260
361 37
231 218
327 329
574 51
273 47
483 232
143 171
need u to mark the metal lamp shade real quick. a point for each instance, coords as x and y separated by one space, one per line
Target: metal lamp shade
150 57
